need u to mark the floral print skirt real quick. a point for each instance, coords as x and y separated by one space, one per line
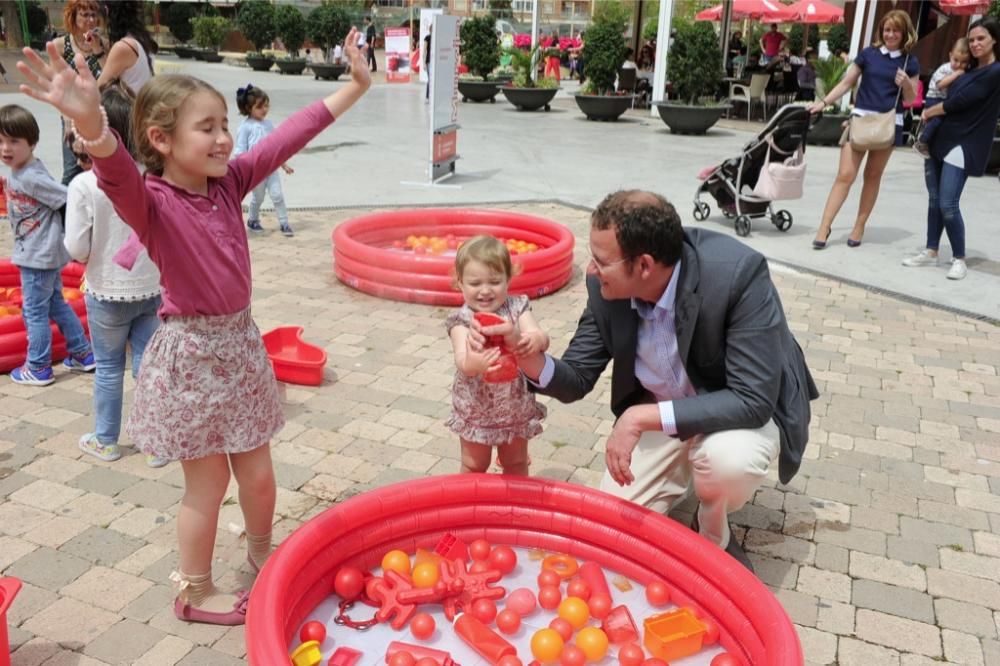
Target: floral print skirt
205 387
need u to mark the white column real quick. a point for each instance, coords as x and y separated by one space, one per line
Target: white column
857 31
662 48
534 35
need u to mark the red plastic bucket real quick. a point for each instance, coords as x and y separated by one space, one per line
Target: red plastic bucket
8 590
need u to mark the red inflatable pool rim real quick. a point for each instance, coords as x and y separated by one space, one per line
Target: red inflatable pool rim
527 512
364 258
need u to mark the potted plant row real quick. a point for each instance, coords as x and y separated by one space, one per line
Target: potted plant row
481 53
695 71
291 28
828 128
524 92
209 33
324 26
603 55
256 21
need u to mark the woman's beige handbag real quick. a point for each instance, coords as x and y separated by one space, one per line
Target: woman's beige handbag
876 131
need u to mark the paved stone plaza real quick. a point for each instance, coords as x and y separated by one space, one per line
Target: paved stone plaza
884 549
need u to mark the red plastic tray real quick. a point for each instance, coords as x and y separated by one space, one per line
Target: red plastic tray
294 360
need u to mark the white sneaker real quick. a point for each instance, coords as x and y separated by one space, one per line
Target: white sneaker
156 461
925 258
958 269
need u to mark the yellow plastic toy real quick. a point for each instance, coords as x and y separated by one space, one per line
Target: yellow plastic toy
307 654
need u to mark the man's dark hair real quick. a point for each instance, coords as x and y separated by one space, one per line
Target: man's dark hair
644 223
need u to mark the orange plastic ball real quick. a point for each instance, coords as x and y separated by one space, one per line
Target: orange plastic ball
657 593
630 654
549 597
600 605
503 559
578 588
425 574
479 550
546 645
574 610
593 642
422 626
484 610
572 656
549 578
398 561
564 628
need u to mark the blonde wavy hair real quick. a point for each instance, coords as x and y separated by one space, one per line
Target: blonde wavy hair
487 250
902 22
159 104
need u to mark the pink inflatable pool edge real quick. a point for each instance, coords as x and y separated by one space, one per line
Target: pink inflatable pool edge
527 512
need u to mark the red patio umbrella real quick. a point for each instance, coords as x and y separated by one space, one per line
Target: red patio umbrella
768 11
964 7
816 11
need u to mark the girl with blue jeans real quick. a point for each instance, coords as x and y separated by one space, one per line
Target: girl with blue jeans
121 304
960 147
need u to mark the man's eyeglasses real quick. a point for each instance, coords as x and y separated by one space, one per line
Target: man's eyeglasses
602 266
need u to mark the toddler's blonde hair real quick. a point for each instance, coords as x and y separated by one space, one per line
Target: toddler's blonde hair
488 251
961 46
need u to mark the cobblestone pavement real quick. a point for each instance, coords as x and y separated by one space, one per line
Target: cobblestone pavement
884 549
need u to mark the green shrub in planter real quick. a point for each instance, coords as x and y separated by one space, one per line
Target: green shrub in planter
291 27
210 31
695 63
837 38
524 63
829 72
256 21
178 21
604 47
795 38
480 48
328 24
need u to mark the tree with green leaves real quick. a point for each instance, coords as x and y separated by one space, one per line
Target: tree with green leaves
604 48
178 20
500 9
210 31
695 63
291 27
480 48
328 24
796 35
256 21
837 39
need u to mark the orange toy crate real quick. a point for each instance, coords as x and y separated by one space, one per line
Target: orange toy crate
674 634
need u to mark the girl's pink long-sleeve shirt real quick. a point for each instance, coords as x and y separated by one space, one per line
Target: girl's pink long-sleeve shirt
199 243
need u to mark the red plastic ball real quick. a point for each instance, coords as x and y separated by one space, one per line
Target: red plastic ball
725 659
479 566
427 661
562 627
549 578
508 621
503 559
509 660
313 631
631 654
657 593
549 597
652 661
422 626
479 550
711 631
402 658
484 610
522 601
600 605
578 587
572 656
349 582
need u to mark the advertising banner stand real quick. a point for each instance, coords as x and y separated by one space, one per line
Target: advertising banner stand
397 55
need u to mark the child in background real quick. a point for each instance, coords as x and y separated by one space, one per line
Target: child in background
121 304
33 202
937 91
254 104
484 415
206 394
806 77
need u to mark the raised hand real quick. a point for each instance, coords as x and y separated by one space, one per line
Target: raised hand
74 94
359 66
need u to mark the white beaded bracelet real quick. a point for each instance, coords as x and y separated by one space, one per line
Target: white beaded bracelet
90 143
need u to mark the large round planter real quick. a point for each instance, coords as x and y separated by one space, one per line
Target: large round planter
198 54
185 52
684 119
529 99
260 63
826 131
993 164
327 71
291 66
603 107
211 56
478 91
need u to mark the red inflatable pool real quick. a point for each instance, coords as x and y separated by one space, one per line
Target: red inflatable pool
364 256
528 512
13 335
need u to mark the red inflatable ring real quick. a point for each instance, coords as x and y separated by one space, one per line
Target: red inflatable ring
528 512
364 257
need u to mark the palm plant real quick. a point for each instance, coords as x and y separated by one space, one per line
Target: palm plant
829 72
524 63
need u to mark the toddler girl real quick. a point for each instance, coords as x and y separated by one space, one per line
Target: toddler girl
937 91
206 394
254 104
487 415
121 304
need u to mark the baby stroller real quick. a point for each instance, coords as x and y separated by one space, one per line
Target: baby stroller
732 182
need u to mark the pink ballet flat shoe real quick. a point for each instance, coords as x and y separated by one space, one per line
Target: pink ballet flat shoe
237 616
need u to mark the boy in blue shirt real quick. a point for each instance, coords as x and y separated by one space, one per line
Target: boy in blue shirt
33 202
